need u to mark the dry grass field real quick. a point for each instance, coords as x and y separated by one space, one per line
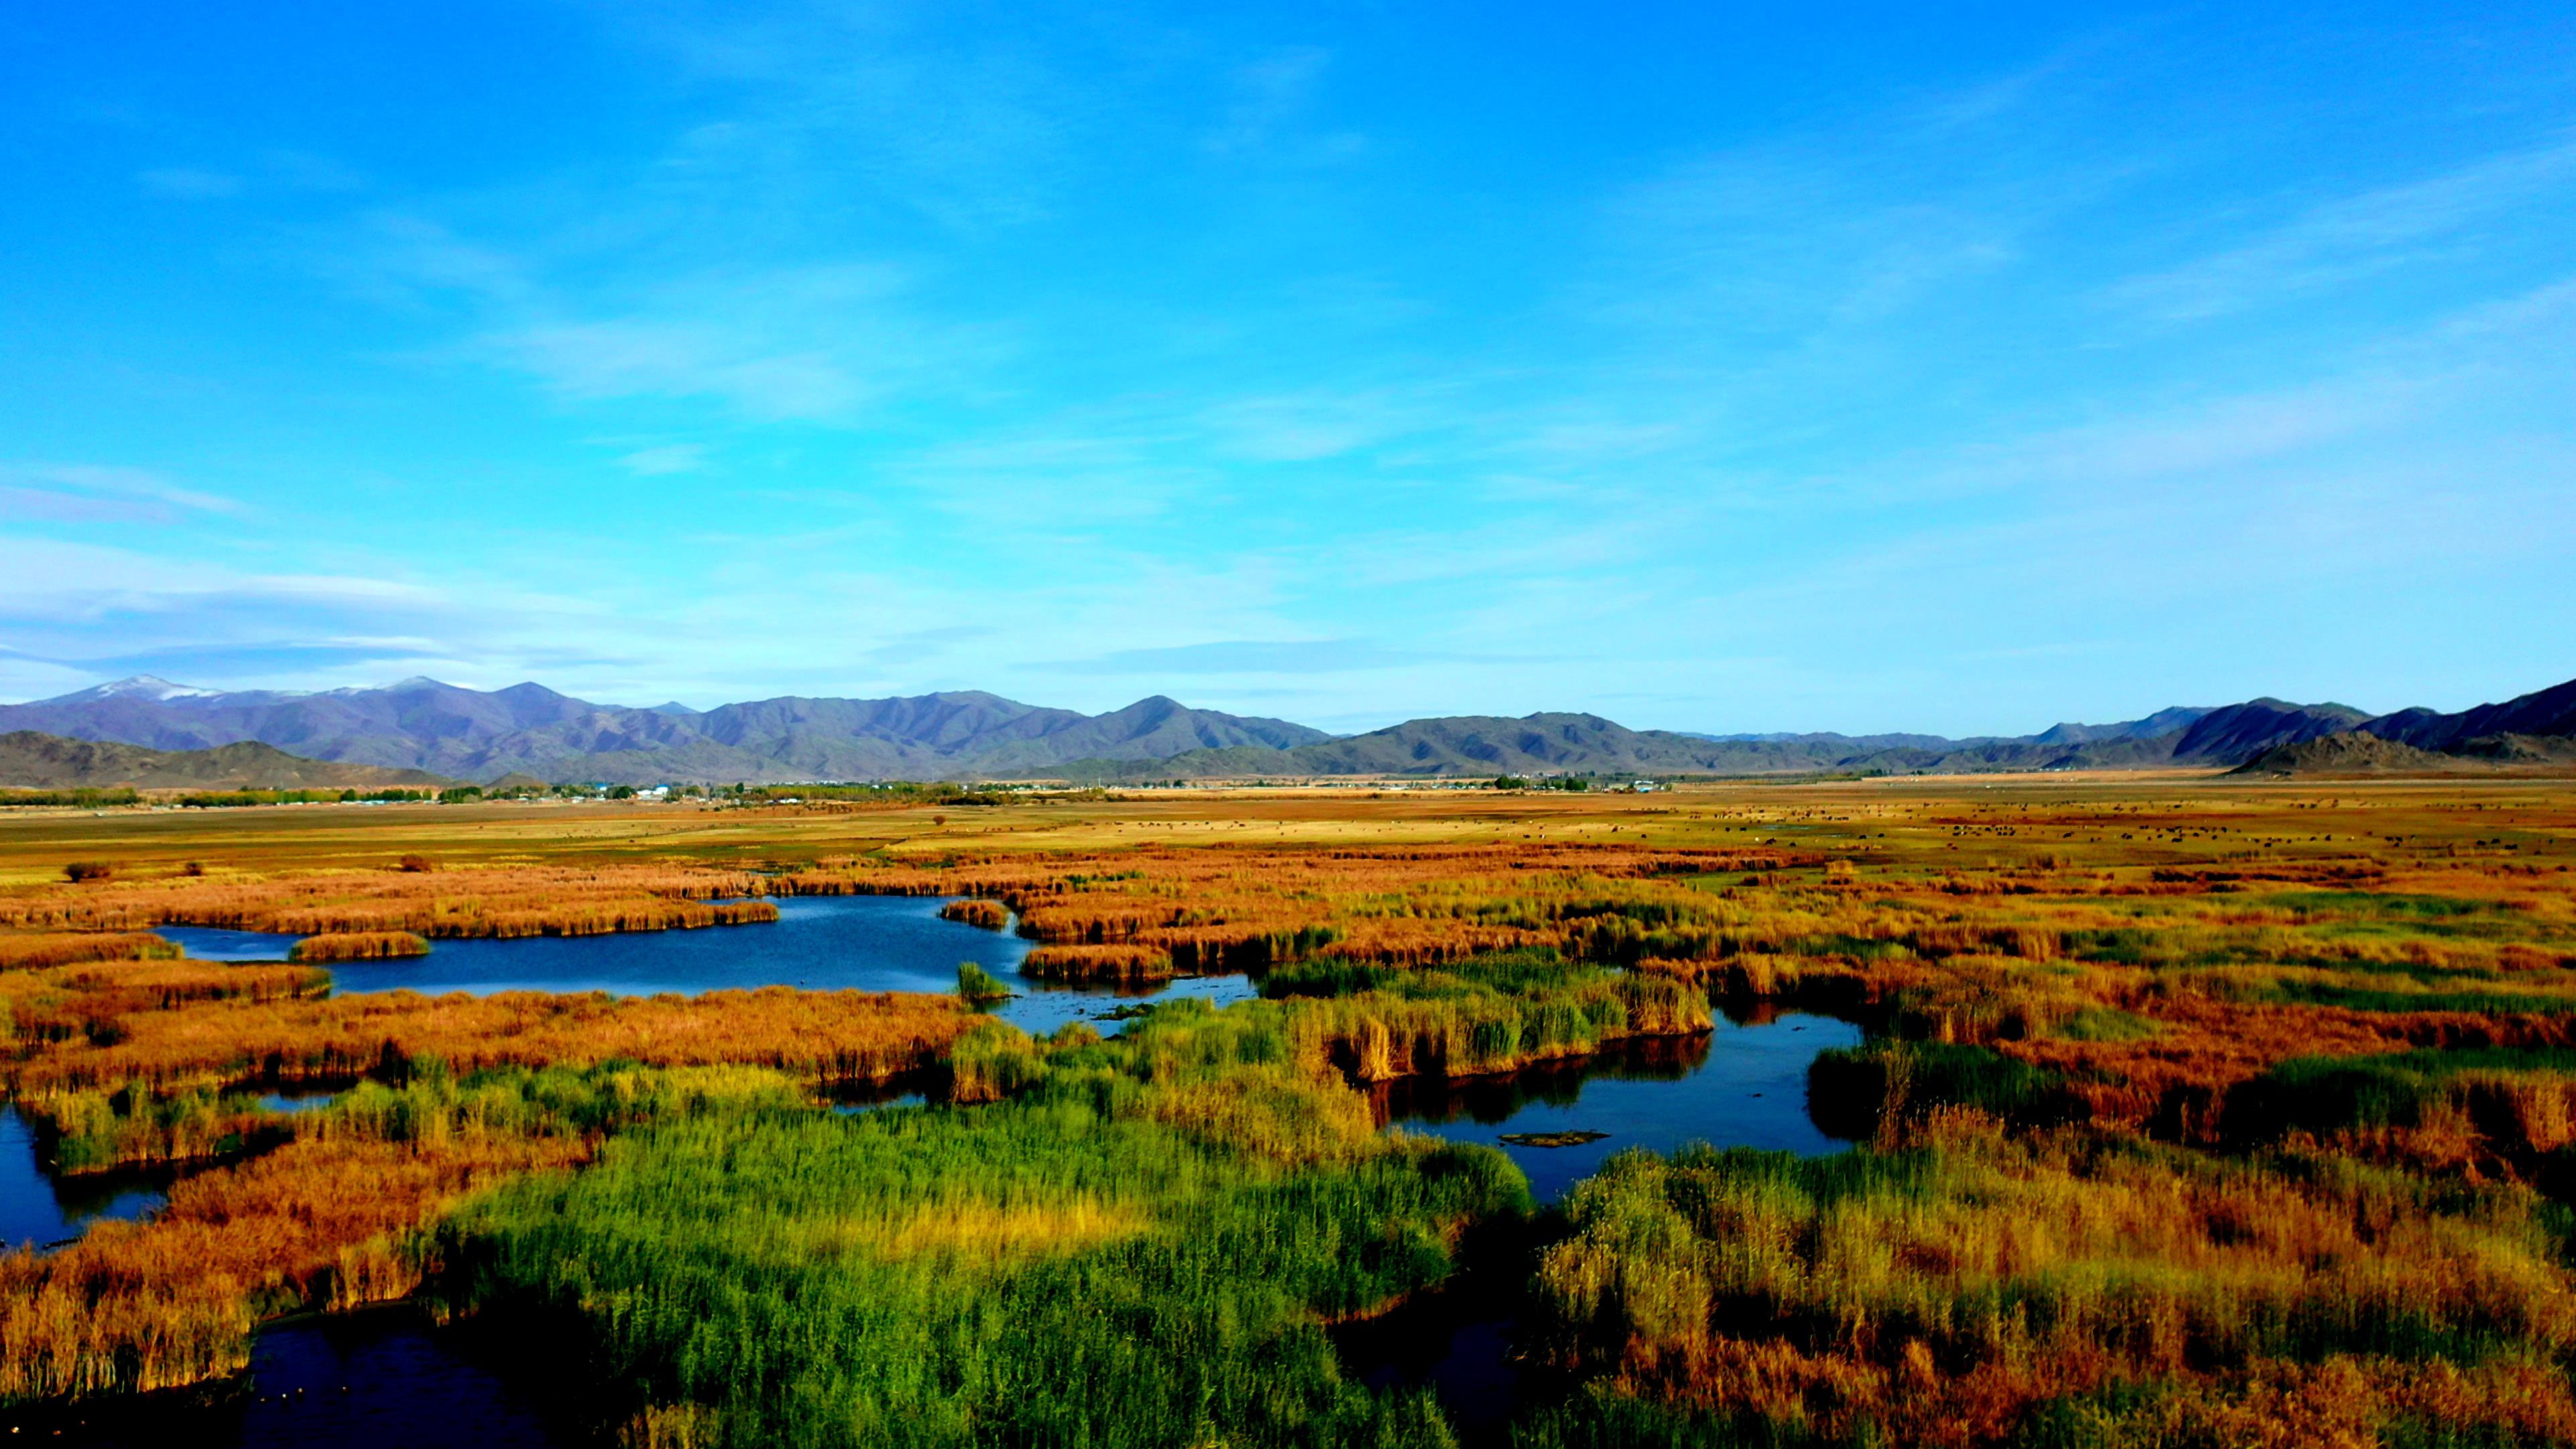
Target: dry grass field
2181 1094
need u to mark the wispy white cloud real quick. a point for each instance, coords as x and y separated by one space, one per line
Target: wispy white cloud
105 493
1244 656
1267 104
804 343
664 461
190 183
2352 238
1305 426
638 357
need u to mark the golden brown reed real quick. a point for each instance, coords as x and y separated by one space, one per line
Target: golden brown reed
2152 947
358 946
835 1038
491 901
36 950
1122 963
132 1307
990 915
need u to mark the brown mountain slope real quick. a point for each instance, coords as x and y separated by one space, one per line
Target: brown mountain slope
29 760
2353 753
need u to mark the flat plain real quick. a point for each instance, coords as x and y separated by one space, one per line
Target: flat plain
2190 1109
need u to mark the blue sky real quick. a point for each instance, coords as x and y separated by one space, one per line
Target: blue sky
1943 368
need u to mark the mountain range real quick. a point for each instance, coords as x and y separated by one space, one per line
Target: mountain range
527 729
33 760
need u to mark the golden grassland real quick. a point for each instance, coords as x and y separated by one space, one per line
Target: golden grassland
383 905
2182 1081
357 946
328 1218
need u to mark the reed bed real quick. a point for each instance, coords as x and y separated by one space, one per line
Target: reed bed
1968 1285
37 950
482 902
332 1219
1140 1246
2190 1115
358 946
1134 965
832 1038
990 915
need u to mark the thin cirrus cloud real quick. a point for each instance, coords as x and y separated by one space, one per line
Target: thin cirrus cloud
1250 656
664 461
924 644
803 343
190 183
271 659
102 492
825 345
1099 340
2351 239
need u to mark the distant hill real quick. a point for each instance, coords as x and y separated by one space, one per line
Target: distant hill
2352 753
2532 732
422 724
2195 737
2546 713
2240 731
529 731
2155 726
30 760
1588 744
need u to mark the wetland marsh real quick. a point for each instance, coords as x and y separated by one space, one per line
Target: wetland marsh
2248 1096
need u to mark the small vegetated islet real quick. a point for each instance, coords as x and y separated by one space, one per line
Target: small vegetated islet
2219 1118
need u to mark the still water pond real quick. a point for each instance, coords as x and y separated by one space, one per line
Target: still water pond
818 943
390 1381
379 1378
39 1209
1740 1086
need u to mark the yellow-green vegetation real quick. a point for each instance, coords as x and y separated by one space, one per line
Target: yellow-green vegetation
2192 1112
1963 1285
358 946
1139 1246
329 1217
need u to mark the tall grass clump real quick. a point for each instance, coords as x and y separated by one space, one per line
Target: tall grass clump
358 946
330 1219
1945 1289
978 987
1139 1247
1487 1014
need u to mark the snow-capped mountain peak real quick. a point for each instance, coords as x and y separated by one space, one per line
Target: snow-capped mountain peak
144 686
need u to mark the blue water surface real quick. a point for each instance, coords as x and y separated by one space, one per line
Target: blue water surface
375 1379
818 943
1741 1086
39 1209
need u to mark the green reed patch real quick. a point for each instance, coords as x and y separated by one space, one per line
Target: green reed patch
1139 1248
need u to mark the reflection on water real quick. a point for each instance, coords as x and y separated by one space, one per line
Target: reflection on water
212 943
880 1104
378 1379
39 1208
1740 1086
1456 1343
818 943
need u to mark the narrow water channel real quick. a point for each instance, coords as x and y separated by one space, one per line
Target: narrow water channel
380 1378
1743 1085
818 943
389 1380
1740 1086
42 1210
